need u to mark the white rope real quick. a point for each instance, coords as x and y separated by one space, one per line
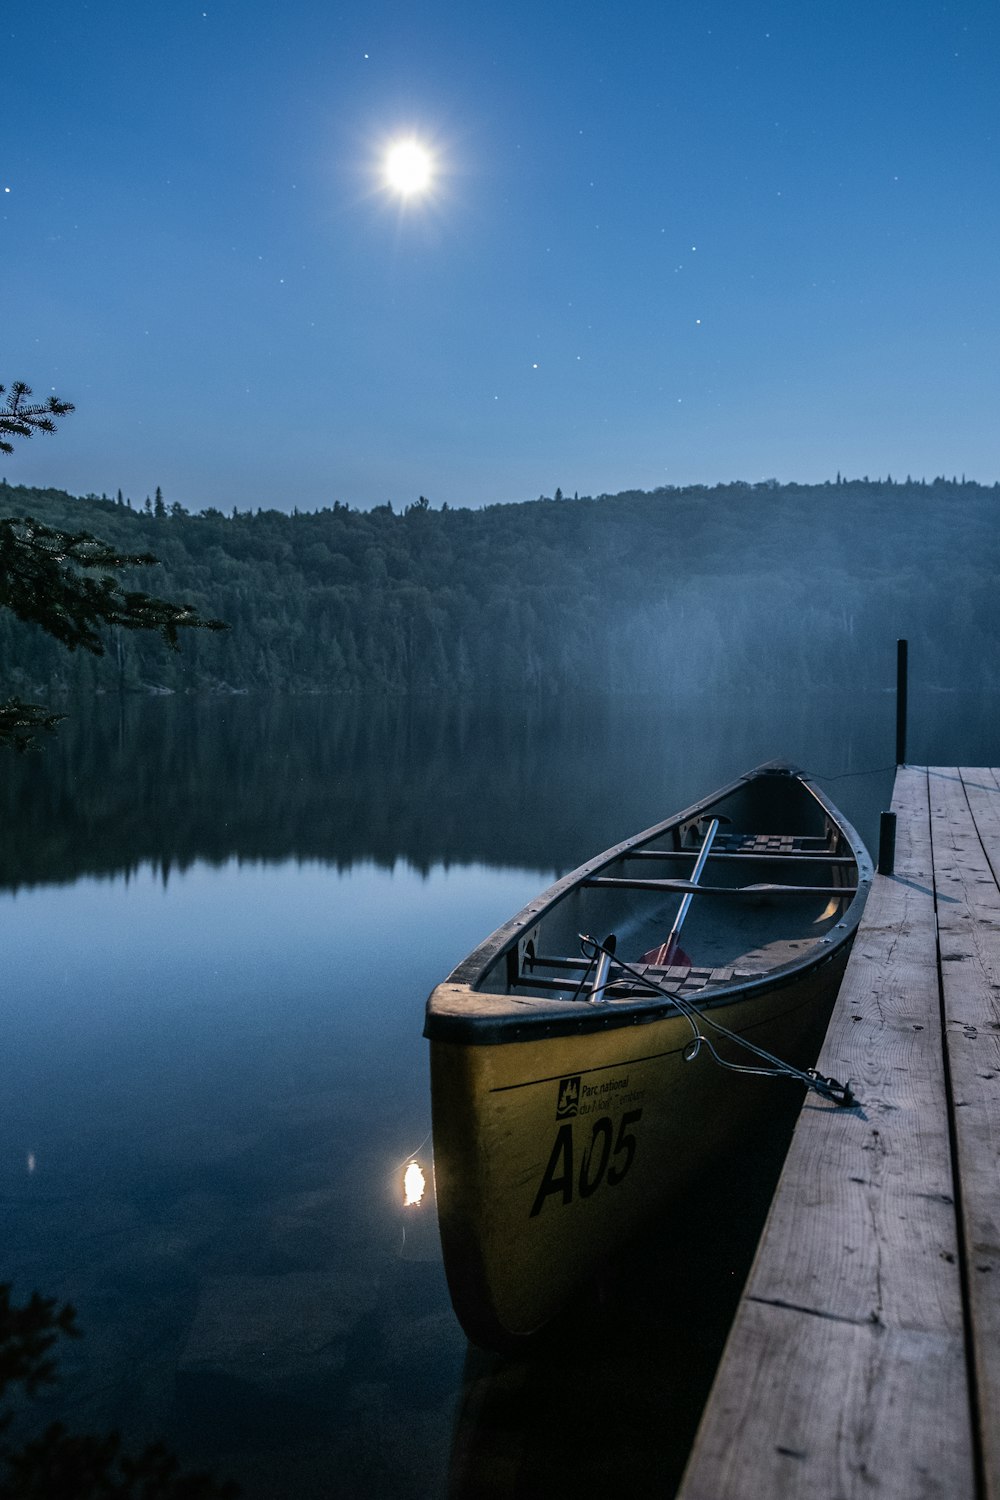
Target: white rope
827 1088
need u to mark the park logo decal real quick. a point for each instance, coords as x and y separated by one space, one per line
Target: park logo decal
568 1102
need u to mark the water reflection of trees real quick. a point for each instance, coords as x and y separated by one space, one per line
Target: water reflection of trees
534 782
174 780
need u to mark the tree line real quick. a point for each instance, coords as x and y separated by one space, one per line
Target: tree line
679 588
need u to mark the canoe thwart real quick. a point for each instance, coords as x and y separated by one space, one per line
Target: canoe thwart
748 856
681 887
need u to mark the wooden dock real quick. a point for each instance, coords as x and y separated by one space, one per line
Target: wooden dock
865 1355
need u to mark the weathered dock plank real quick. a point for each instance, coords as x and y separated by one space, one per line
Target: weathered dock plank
965 827
845 1372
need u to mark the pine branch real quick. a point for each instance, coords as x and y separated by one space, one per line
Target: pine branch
43 583
20 417
61 1465
26 1335
22 723
45 577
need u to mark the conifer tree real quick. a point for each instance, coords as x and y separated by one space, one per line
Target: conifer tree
47 578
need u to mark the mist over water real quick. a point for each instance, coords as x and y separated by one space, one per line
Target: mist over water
221 919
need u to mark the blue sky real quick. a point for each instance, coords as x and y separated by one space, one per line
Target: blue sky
667 243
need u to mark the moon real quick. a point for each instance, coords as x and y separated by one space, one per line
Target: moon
408 168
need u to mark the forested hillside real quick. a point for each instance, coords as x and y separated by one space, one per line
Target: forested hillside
676 589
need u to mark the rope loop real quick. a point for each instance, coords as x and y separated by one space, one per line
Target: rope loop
776 1067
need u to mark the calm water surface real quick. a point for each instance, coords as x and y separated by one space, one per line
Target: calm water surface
220 922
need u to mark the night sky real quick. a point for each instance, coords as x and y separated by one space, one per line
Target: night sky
664 243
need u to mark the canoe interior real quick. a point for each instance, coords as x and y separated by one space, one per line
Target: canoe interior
776 833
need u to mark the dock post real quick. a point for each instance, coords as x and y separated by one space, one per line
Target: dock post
901 683
887 843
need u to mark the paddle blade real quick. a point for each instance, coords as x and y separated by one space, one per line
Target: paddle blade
667 955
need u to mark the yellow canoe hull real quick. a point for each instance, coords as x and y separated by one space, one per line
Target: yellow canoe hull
549 1153
566 1105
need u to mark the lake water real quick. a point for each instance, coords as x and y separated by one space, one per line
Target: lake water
221 919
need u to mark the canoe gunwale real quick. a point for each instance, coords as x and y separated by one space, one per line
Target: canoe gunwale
550 1018
458 1012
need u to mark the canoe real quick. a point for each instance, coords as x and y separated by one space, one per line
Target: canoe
569 1097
